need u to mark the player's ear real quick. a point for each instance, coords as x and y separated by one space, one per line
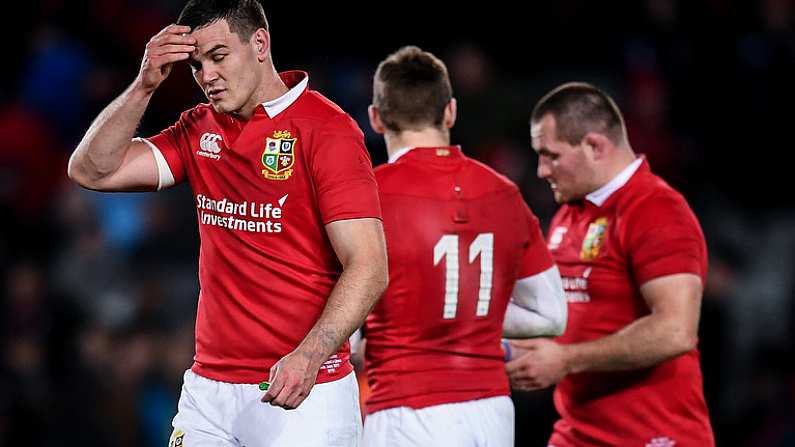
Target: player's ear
450 114
375 120
597 144
261 41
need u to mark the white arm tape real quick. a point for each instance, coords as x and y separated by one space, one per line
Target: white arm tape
165 179
538 306
356 341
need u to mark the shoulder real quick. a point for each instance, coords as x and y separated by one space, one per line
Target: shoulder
197 114
489 178
390 174
475 178
325 116
651 194
652 204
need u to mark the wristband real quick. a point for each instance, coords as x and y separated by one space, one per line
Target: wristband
506 348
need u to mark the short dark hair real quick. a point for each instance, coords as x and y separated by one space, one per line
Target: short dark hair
244 16
411 89
579 108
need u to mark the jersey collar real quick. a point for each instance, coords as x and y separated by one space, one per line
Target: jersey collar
454 151
297 82
600 196
399 153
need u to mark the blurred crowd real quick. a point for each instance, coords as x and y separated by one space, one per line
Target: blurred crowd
99 290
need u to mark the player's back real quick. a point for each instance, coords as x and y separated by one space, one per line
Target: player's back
456 234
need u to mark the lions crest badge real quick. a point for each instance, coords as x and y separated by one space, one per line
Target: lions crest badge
279 155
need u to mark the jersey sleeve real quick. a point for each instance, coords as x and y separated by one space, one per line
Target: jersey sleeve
343 173
664 238
536 256
168 147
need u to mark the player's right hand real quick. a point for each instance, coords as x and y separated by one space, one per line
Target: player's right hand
291 380
170 45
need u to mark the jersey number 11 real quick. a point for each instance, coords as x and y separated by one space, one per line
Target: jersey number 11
447 248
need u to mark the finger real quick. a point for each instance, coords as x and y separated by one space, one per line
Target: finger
168 49
298 397
524 385
159 61
176 29
175 39
276 385
280 400
514 366
523 343
172 29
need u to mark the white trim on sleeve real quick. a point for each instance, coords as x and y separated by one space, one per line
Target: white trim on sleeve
165 179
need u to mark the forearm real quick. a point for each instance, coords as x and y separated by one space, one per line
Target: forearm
646 342
537 308
524 323
356 292
104 146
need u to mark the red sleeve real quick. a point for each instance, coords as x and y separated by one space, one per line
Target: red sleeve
343 173
171 142
664 238
536 257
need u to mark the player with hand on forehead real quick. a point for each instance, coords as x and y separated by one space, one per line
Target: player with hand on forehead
292 247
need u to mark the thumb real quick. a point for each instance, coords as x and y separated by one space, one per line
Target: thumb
513 366
274 372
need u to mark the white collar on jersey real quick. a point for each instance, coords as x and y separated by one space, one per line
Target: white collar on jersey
601 195
398 153
277 106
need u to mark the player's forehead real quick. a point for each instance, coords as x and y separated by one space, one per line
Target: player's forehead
543 132
214 34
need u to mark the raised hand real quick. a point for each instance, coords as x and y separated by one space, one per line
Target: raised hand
170 45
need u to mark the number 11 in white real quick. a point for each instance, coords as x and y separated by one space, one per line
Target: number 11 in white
447 248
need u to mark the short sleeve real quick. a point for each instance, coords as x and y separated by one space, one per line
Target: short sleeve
536 258
167 148
343 173
664 238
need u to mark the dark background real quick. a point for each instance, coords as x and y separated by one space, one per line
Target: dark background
99 290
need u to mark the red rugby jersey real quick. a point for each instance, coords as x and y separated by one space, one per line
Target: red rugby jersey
459 235
643 230
264 189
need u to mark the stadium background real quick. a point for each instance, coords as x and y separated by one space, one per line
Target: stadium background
99 291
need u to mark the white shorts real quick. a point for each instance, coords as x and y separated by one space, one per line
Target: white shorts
220 414
476 423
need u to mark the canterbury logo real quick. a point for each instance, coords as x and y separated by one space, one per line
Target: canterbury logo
209 143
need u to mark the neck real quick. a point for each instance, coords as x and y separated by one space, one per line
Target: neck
427 137
269 89
623 157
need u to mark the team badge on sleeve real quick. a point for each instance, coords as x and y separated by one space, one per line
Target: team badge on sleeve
594 239
279 155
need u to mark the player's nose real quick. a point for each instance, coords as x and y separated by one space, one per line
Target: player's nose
543 170
209 75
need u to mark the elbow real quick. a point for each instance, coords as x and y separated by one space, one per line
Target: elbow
687 343
79 172
78 175
382 278
683 341
560 327
71 170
